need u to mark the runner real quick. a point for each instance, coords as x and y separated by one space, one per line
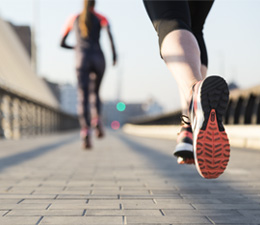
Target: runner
89 59
202 139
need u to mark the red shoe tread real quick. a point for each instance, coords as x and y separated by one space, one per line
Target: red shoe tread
213 149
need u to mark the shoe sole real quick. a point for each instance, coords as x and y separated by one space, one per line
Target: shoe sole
212 145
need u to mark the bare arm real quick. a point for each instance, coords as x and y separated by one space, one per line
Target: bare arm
112 45
63 43
66 32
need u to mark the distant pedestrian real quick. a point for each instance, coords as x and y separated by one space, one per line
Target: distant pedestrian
89 59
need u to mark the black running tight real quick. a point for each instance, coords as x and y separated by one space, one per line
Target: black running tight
88 61
168 16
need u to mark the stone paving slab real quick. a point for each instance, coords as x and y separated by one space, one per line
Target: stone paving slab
83 196
123 212
157 206
91 220
168 219
85 206
234 220
227 206
22 196
203 212
123 180
49 212
247 212
23 206
32 220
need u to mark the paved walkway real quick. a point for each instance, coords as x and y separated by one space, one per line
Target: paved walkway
124 180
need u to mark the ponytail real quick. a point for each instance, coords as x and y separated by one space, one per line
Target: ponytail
84 18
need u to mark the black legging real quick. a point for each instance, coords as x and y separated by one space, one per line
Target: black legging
88 61
168 16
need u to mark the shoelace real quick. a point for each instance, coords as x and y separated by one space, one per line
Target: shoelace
183 122
183 117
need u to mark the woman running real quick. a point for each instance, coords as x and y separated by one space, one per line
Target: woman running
89 59
202 139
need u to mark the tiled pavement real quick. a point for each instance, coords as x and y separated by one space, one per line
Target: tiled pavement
123 180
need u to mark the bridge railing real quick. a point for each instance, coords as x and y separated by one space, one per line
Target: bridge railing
243 108
21 116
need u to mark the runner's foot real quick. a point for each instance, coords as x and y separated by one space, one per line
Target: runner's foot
98 125
210 141
86 137
100 130
184 147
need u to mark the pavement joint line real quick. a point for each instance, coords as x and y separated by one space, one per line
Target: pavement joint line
237 211
38 222
124 220
210 220
193 206
8 189
181 195
6 213
20 201
84 212
48 206
162 212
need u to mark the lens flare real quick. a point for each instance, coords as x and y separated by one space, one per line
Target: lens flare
120 106
115 125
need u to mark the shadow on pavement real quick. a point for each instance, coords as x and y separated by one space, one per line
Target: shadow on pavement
12 160
231 194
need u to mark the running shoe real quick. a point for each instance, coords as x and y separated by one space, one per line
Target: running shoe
98 125
184 148
100 130
86 137
210 141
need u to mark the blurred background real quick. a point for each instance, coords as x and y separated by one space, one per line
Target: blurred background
140 82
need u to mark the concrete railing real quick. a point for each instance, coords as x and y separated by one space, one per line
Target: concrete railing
243 108
21 116
27 106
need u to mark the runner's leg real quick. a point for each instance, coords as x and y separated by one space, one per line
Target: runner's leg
199 11
83 71
172 22
99 69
